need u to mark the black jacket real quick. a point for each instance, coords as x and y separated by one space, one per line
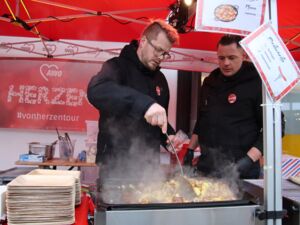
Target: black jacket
123 91
230 113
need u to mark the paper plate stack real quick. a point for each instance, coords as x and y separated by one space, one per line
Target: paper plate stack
75 174
41 200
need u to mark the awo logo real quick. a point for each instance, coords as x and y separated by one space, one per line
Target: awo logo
71 49
50 70
50 47
28 47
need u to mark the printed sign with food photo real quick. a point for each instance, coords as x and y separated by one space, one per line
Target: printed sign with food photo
234 16
226 13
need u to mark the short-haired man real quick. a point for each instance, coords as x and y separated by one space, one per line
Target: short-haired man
132 96
229 123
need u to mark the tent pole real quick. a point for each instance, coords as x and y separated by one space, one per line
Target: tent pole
272 142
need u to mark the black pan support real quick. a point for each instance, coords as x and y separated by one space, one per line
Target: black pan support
105 206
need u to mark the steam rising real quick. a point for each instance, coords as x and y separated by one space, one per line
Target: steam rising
141 163
138 175
222 168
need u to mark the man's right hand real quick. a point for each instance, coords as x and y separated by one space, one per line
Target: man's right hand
156 116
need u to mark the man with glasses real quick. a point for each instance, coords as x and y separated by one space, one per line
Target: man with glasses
132 96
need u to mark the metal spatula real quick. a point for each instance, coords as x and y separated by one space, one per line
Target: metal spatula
174 151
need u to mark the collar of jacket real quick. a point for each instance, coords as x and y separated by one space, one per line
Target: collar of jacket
246 73
242 74
130 53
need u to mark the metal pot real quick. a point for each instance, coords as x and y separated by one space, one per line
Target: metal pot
46 150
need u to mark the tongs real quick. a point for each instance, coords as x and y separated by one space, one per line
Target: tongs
66 139
176 155
69 141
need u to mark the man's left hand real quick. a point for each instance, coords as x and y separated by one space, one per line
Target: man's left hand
254 154
245 163
188 157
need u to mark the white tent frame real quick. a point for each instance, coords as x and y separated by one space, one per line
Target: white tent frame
272 124
272 144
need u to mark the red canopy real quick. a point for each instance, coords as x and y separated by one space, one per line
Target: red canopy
109 23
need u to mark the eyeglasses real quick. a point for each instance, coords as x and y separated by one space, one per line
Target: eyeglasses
161 53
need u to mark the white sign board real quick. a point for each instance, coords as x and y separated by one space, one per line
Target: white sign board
272 60
231 16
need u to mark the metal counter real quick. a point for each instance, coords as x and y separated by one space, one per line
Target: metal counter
290 194
185 214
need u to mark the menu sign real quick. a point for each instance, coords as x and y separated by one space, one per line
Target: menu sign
273 61
235 16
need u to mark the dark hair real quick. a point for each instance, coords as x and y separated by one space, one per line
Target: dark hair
157 26
229 39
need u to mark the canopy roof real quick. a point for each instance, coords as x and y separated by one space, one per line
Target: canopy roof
119 21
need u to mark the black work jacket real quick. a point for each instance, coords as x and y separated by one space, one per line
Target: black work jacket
122 92
230 112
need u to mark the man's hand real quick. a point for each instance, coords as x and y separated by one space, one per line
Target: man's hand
254 154
156 116
188 157
244 165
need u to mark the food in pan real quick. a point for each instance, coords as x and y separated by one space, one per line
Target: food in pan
176 190
226 13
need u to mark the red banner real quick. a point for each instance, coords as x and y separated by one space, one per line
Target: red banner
46 94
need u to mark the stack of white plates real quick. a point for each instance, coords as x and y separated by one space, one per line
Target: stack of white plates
2 202
75 174
41 200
